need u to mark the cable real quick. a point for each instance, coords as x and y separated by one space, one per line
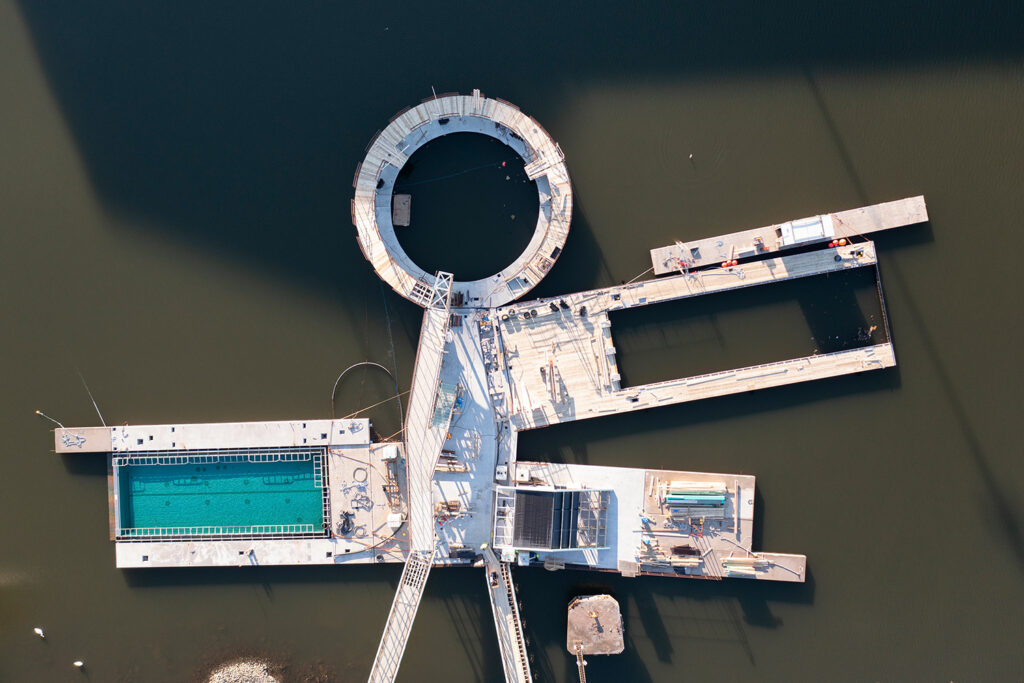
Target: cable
399 186
394 356
344 372
640 275
398 396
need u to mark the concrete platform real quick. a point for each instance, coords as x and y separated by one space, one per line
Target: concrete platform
366 488
595 624
184 437
412 128
473 443
852 224
560 365
717 547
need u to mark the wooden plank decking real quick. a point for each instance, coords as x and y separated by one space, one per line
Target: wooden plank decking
561 364
849 224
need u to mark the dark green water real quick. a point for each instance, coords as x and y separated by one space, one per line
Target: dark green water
174 224
467 189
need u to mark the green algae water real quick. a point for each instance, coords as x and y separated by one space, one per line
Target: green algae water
174 225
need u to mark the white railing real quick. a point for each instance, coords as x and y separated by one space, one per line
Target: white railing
215 456
424 440
401 617
226 530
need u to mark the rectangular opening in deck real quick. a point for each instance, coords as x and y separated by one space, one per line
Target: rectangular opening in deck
749 326
259 492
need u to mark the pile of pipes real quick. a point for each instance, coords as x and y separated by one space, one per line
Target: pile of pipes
689 498
745 566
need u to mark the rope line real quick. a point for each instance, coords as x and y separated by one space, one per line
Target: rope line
379 403
399 186
394 356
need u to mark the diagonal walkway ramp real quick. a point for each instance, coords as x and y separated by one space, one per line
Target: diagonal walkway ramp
426 429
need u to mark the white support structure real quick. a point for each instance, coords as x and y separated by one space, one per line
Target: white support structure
441 293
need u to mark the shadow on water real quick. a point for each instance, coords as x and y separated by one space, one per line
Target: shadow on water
90 464
757 532
582 262
671 616
469 610
560 443
1007 516
243 139
262 576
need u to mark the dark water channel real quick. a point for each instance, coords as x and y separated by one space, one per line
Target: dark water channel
174 225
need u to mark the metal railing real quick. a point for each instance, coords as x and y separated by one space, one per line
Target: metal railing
211 456
523 661
218 531
400 619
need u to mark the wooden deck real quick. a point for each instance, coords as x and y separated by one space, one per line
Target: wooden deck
371 207
854 223
561 365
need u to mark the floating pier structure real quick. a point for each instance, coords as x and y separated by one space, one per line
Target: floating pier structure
562 353
595 626
853 224
453 491
414 127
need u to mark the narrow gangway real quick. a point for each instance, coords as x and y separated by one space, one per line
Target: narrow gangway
425 431
511 643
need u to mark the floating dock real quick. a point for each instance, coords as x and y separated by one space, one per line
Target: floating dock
813 230
595 626
444 114
453 491
705 531
401 211
560 352
357 513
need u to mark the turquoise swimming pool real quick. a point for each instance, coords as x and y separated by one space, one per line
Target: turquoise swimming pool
220 493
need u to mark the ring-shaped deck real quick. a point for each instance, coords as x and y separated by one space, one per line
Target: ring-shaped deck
412 128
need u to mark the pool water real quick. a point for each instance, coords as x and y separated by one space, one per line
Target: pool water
220 496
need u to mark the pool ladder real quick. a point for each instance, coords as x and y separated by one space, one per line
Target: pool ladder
318 472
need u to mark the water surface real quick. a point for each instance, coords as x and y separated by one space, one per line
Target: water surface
174 224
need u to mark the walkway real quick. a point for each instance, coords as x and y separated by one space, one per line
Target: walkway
853 223
562 362
450 113
514 659
426 427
